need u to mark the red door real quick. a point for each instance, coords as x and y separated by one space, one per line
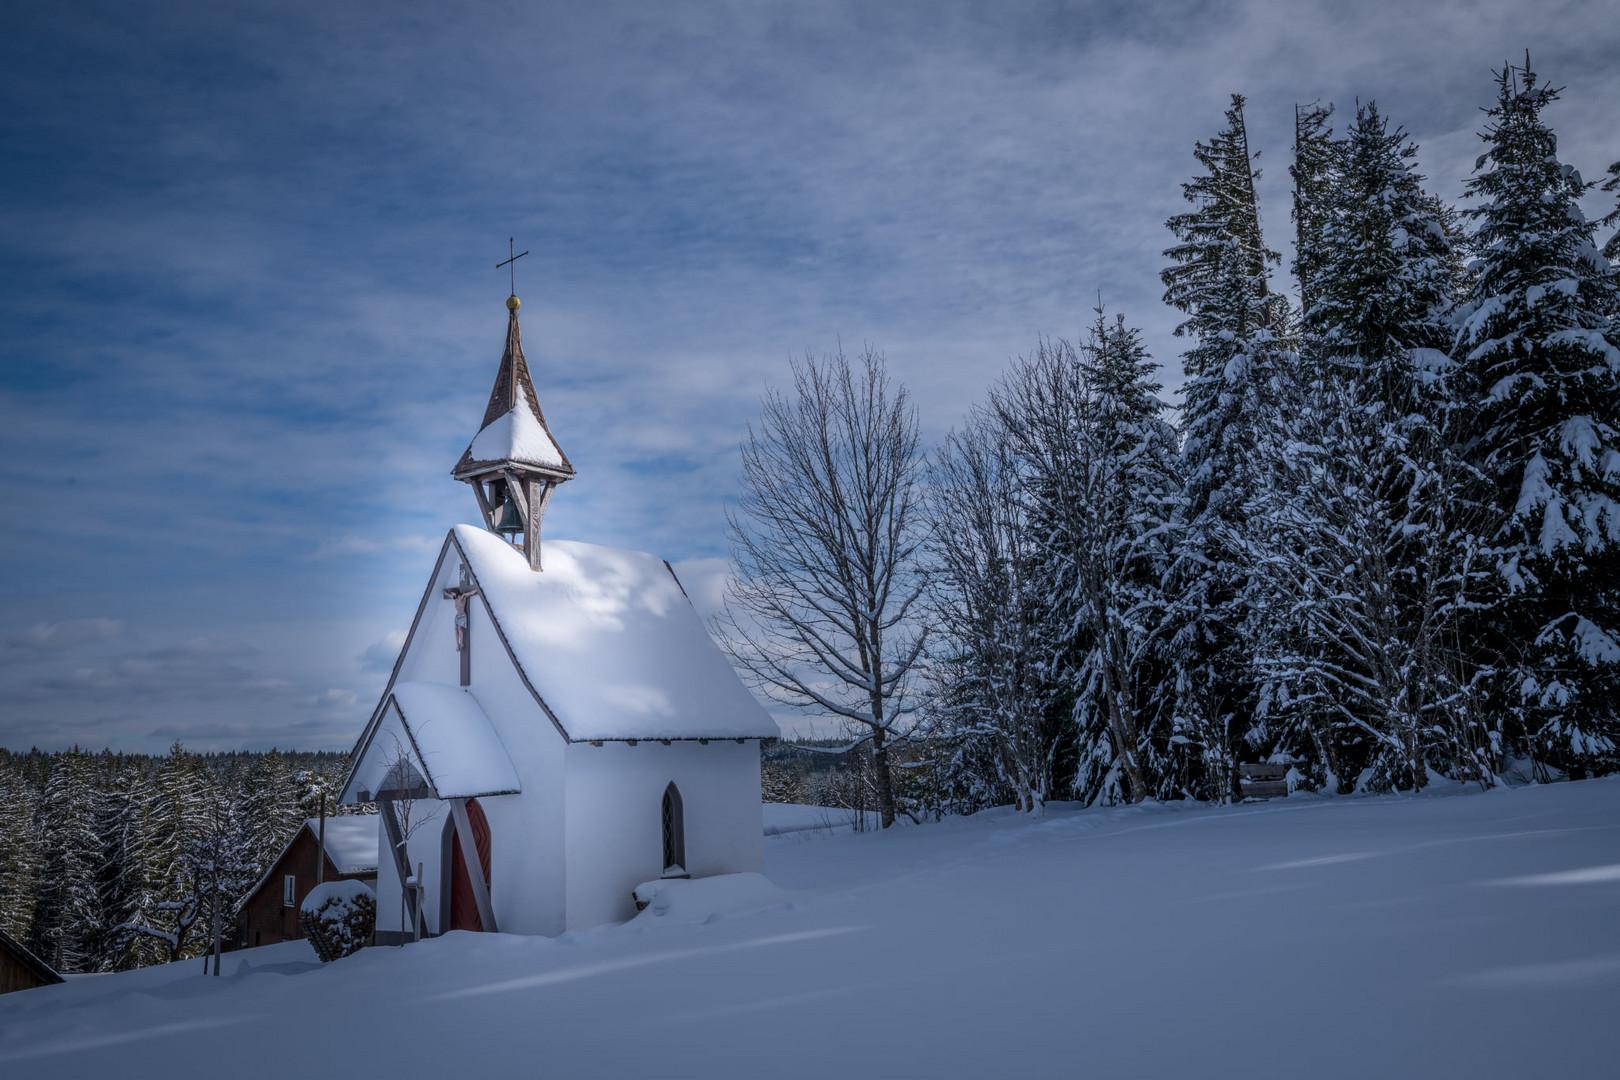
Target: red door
463 906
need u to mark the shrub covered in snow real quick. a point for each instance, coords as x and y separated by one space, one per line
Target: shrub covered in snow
338 917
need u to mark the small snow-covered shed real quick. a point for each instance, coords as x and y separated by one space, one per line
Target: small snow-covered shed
554 732
269 912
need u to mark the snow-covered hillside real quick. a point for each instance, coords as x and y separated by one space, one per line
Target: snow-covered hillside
1471 935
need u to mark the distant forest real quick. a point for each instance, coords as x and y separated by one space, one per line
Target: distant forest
114 861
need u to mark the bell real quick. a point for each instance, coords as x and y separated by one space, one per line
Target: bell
511 521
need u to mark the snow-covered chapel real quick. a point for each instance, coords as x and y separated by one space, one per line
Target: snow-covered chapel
559 727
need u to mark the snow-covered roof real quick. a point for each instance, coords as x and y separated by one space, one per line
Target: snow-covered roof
610 643
460 753
516 436
351 842
444 734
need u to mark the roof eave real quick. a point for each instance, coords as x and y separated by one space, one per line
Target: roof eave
471 470
25 956
675 739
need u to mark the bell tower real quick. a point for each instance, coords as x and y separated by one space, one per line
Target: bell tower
514 462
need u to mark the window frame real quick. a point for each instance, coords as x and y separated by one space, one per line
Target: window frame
672 832
289 890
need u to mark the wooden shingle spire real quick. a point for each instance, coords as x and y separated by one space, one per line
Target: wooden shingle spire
525 439
514 463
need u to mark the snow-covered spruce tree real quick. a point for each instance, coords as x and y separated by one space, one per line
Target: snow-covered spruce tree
822 607
1539 342
997 703
220 867
317 794
1315 172
177 810
782 781
1236 373
272 807
1611 250
163 914
1098 484
66 923
1371 567
125 880
19 852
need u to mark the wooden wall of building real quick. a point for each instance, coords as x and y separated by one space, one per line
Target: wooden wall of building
264 918
20 969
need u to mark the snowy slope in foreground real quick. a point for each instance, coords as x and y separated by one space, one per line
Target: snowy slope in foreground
1462 935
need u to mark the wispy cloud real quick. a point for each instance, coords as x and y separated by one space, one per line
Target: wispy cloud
381 654
362 545
60 636
199 668
328 699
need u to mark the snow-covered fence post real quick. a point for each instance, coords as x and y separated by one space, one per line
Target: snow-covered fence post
420 891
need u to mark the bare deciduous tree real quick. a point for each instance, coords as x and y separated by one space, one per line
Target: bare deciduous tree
989 599
409 815
825 576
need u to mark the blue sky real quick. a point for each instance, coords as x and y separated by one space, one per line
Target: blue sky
250 311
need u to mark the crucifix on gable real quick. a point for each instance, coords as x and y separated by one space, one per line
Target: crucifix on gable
461 594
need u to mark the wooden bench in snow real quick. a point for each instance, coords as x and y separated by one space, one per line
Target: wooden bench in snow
1263 780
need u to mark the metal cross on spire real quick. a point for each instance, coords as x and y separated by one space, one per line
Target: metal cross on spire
510 245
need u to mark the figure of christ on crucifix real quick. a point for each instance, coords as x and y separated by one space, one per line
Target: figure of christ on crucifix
461 594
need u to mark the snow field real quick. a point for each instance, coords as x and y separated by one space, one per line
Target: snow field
1450 934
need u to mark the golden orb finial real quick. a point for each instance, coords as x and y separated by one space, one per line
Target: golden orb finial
513 303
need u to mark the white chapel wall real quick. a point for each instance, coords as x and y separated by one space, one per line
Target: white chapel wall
422 847
526 831
615 803
432 653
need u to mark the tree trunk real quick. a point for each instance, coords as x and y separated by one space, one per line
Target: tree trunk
885 791
1420 771
216 939
1334 774
1127 755
1120 723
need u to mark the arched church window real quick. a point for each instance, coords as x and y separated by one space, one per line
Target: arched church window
674 833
